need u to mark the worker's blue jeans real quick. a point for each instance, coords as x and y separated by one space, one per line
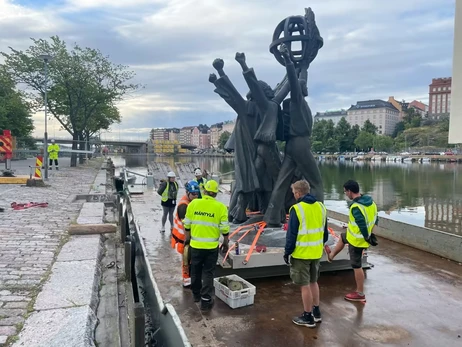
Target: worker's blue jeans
203 263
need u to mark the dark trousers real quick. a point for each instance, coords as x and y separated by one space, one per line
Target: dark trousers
56 162
203 263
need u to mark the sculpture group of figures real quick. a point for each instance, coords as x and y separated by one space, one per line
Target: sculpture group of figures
262 176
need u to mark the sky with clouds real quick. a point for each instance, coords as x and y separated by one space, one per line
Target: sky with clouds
372 49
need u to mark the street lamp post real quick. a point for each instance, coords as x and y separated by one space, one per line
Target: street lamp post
46 59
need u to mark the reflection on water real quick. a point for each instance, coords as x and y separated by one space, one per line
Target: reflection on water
422 194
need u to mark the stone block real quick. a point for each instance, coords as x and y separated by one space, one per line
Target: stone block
72 283
57 328
81 248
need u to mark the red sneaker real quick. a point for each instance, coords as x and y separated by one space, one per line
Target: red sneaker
355 296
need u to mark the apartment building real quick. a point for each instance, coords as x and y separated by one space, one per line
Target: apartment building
334 115
381 113
185 135
440 97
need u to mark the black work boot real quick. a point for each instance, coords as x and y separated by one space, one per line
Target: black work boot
206 304
197 297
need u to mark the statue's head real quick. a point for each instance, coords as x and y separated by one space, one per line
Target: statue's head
269 92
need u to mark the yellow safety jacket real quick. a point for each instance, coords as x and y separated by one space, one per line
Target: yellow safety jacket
53 151
312 220
201 185
206 218
353 235
166 191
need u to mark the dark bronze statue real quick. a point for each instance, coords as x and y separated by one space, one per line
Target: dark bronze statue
261 121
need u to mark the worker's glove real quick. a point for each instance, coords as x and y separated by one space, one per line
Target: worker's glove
286 259
372 240
224 247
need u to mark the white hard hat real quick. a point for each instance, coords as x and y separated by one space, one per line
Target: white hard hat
52 141
171 174
198 172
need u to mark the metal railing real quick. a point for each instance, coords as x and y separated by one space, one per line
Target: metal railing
147 309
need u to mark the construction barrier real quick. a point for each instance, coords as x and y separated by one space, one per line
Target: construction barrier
38 167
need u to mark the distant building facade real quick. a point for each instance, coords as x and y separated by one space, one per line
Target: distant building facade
228 126
440 97
335 115
215 132
381 113
159 134
419 107
186 135
401 106
173 134
204 140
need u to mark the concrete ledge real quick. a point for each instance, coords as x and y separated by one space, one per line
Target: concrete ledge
91 213
81 248
437 242
71 327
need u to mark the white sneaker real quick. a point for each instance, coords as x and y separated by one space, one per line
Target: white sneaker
162 229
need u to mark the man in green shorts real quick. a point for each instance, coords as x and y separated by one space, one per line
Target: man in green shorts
306 234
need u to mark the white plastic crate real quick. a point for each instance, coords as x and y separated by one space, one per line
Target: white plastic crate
238 298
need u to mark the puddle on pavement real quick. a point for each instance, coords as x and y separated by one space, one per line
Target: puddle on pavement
383 334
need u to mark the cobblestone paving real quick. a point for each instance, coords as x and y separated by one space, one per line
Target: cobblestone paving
29 239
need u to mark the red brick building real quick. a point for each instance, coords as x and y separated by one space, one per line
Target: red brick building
439 97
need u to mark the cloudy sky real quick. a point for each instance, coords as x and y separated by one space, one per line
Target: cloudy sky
372 49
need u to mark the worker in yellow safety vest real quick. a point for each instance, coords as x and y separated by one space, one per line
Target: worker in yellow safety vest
178 235
201 181
53 152
362 220
306 234
168 190
205 220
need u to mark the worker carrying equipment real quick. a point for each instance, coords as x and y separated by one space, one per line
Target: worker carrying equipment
205 220
53 153
201 181
178 237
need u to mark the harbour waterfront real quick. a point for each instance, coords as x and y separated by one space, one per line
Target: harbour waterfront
427 194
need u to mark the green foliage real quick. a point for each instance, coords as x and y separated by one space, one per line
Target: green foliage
368 127
383 143
15 111
365 140
83 84
224 137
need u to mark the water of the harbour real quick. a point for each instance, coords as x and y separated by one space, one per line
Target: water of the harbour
428 194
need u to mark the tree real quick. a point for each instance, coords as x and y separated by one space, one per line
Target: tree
411 118
399 128
365 140
15 111
354 133
368 127
82 84
383 143
342 134
224 137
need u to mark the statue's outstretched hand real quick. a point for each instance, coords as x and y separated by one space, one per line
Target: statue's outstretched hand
284 51
218 64
240 57
212 78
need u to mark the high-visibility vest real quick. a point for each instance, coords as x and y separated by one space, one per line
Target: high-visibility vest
353 235
312 221
53 151
206 218
178 236
166 191
201 186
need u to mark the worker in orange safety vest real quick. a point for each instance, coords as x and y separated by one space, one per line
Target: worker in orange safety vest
178 237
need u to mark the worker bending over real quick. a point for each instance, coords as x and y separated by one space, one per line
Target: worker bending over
178 236
205 219
168 190
362 219
307 232
53 153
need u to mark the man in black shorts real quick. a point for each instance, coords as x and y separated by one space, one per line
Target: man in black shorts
362 219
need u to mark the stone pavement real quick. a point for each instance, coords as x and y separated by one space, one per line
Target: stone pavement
31 238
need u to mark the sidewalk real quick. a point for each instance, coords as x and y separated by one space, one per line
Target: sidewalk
31 238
